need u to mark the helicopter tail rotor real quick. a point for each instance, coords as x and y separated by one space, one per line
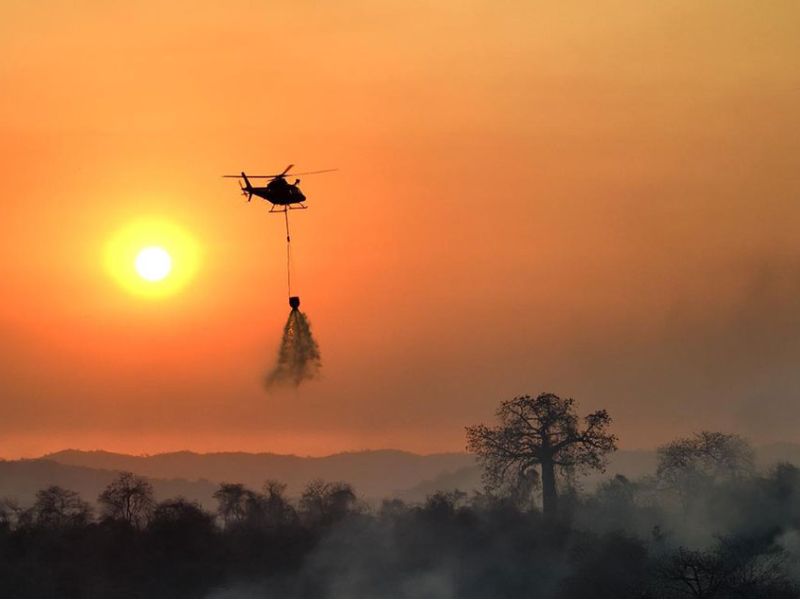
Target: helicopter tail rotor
246 191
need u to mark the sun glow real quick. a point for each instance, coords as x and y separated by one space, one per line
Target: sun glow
153 263
152 257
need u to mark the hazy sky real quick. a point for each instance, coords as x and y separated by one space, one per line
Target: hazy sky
594 199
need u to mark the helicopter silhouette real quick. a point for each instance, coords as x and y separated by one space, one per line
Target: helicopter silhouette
278 192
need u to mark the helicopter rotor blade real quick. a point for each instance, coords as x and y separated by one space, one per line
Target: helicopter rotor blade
282 174
286 170
313 172
254 176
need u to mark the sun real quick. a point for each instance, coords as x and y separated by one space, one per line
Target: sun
153 263
152 257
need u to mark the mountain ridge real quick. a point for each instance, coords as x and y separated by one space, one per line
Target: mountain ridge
375 474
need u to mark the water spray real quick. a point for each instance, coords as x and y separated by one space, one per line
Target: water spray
298 355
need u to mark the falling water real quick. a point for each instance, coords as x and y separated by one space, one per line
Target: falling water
298 356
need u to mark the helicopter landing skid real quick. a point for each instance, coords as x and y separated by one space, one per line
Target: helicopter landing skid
286 208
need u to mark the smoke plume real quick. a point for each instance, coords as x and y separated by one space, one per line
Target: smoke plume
298 356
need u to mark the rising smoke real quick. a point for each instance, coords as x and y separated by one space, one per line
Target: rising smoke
298 356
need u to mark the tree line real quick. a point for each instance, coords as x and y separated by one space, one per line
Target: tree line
706 523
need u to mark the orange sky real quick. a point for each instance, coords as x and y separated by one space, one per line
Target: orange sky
600 201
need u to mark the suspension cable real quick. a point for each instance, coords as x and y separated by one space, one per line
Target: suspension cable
288 252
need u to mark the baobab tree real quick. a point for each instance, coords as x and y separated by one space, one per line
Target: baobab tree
536 437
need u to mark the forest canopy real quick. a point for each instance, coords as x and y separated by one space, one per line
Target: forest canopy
706 523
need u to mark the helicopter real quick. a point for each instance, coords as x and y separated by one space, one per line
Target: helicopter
278 192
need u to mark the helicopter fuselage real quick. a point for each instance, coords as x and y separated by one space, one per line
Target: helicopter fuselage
295 197
278 192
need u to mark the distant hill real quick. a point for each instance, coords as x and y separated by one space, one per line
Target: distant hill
375 474
21 479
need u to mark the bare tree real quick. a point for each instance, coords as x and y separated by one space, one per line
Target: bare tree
128 498
705 458
540 435
55 508
10 512
694 573
233 500
730 570
278 511
327 502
